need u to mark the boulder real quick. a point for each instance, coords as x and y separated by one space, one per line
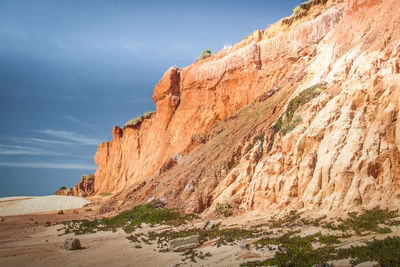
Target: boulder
208 225
182 244
60 212
72 244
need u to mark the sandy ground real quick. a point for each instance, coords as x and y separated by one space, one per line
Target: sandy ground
27 205
25 241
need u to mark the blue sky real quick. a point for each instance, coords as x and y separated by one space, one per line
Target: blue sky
70 70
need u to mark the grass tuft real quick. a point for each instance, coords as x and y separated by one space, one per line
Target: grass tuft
286 123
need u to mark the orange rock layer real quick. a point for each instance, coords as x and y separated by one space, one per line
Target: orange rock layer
344 150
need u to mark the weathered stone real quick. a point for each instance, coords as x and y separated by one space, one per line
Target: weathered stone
47 224
72 244
61 212
183 244
208 225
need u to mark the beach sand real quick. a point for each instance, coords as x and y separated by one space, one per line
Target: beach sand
26 241
26 205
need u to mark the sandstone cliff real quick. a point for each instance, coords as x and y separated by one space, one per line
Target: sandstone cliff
303 115
85 187
64 192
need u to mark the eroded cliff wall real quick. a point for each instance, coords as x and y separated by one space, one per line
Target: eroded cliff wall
341 155
190 100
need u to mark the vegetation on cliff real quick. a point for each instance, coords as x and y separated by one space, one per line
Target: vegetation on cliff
205 53
286 123
139 119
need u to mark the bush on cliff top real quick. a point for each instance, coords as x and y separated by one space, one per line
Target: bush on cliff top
205 53
139 119
296 9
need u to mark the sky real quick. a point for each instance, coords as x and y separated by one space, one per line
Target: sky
71 70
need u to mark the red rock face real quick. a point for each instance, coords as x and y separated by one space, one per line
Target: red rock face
85 187
190 100
354 5
64 192
351 45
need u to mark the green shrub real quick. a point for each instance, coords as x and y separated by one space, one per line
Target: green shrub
139 119
297 9
386 252
298 251
329 239
205 53
151 213
257 138
286 123
247 36
106 194
224 209
233 166
288 126
369 220
62 188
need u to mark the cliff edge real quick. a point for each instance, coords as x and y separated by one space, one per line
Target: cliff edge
303 115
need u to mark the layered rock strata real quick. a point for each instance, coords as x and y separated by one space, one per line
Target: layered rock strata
342 154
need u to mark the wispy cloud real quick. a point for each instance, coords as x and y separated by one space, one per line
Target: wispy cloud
49 165
73 119
71 136
77 121
35 141
13 150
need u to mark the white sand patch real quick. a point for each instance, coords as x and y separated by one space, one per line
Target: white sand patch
27 205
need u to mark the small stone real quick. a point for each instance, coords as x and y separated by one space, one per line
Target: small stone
47 224
72 244
75 212
2 220
242 244
60 212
